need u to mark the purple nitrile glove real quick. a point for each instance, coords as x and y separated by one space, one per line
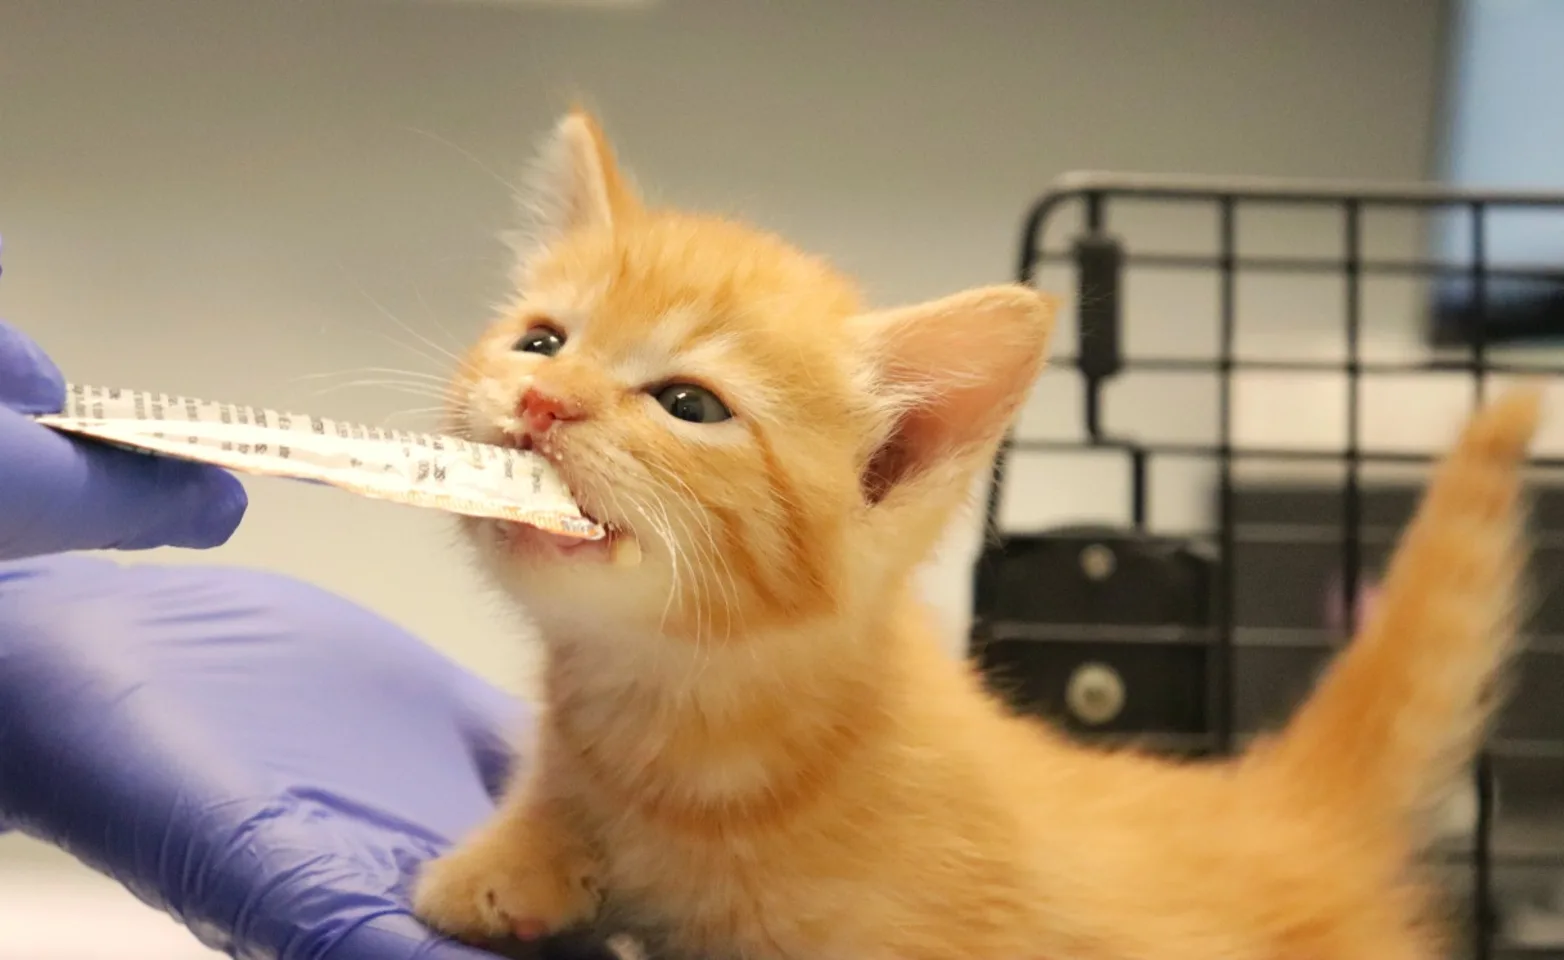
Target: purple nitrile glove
263 760
59 494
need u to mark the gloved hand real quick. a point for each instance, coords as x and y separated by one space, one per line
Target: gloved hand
59 494
260 758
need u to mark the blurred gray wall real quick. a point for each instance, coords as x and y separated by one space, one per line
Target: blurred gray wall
228 197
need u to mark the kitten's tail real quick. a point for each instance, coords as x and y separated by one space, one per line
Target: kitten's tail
1401 712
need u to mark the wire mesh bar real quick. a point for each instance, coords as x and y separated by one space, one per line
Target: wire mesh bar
1254 264
1365 367
1256 453
1483 906
1220 693
1351 508
1479 276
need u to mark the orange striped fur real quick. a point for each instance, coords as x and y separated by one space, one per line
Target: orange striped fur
751 745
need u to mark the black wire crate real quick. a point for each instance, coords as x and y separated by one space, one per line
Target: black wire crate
1258 374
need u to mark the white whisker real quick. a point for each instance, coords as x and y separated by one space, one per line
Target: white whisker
513 188
416 389
461 363
457 430
458 344
394 371
702 655
711 552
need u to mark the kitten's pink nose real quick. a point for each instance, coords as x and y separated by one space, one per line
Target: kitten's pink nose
538 410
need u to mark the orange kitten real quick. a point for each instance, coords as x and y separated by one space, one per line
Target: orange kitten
752 744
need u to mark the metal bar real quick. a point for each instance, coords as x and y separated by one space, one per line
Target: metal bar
1368 367
1096 223
1221 673
1091 408
1282 454
1351 508
1096 216
1479 272
1482 862
1251 638
1482 881
1138 488
1262 189
1273 264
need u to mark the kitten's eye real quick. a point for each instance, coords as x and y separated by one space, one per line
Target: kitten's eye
540 339
694 404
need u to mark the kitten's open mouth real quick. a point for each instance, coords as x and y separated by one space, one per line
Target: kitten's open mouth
618 545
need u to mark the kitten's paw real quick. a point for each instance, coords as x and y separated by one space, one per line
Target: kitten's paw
487 891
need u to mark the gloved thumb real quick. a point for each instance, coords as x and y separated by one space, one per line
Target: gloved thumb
29 380
400 937
397 936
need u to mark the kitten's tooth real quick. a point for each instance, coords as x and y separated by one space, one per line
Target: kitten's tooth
625 552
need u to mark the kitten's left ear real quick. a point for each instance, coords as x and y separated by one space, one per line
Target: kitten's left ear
952 372
577 182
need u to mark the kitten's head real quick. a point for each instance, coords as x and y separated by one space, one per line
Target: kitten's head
764 449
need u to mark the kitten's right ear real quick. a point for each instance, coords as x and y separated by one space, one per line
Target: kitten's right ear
576 182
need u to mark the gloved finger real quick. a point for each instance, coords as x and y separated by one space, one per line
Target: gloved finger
495 759
59 494
494 728
29 380
398 936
